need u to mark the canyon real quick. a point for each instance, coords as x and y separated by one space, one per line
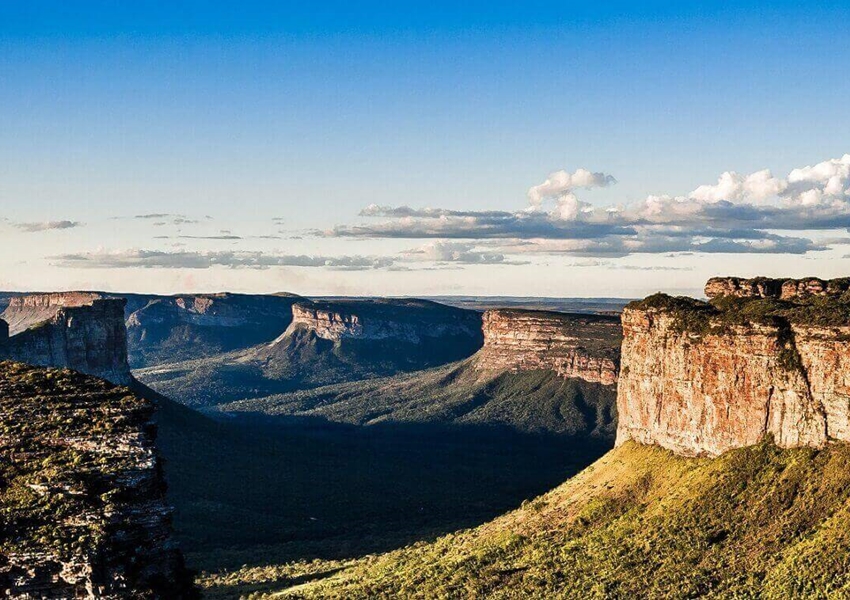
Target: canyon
325 343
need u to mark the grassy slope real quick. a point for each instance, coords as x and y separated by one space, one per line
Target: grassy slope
640 522
532 402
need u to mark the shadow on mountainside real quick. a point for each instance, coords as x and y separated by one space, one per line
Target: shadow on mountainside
258 489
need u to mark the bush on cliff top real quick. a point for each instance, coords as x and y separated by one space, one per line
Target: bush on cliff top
701 317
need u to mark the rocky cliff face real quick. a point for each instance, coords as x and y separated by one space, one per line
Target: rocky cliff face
28 310
782 289
701 379
79 331
573 346
82 496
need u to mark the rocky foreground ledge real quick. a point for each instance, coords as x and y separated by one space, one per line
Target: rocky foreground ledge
762 358
83 496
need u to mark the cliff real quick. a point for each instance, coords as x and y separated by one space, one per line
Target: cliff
782 289
410 321
79 331
573 346
82 501
28 310
701 379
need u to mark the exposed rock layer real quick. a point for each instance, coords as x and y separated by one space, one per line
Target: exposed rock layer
78 331
783 289
573 346
83 505
410 321
729 382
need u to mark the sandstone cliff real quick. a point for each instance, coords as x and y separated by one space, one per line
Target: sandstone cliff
783 289
701 378
573 346
410 321
82 500
80 331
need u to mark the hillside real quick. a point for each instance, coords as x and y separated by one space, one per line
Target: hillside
82 500
536 401
326 343
640 522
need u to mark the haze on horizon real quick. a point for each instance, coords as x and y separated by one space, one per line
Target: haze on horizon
551 149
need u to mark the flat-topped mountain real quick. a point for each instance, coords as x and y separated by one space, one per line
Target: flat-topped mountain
536 372
764 357
572 345
83 496
80 331
165 329
327 342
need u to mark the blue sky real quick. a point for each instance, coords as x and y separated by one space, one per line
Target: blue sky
229 116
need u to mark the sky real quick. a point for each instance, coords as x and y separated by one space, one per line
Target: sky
421 148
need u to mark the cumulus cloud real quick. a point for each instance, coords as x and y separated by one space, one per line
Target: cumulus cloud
456 252
740 213
559 187
560 183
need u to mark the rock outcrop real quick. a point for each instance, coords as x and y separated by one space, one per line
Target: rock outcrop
572 345
782 289
701 379
79 331
82 498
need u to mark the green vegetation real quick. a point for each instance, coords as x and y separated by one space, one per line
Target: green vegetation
640 523
698 317
259 492
531 402
55 494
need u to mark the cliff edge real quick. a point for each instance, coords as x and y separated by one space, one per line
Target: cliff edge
83 496
572 345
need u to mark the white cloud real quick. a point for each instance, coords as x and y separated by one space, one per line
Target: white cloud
740 213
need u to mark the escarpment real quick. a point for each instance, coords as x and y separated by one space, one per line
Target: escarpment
573 346
83 495
411 321
771 360
79 331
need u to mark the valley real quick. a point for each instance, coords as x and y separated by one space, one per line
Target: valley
399 448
